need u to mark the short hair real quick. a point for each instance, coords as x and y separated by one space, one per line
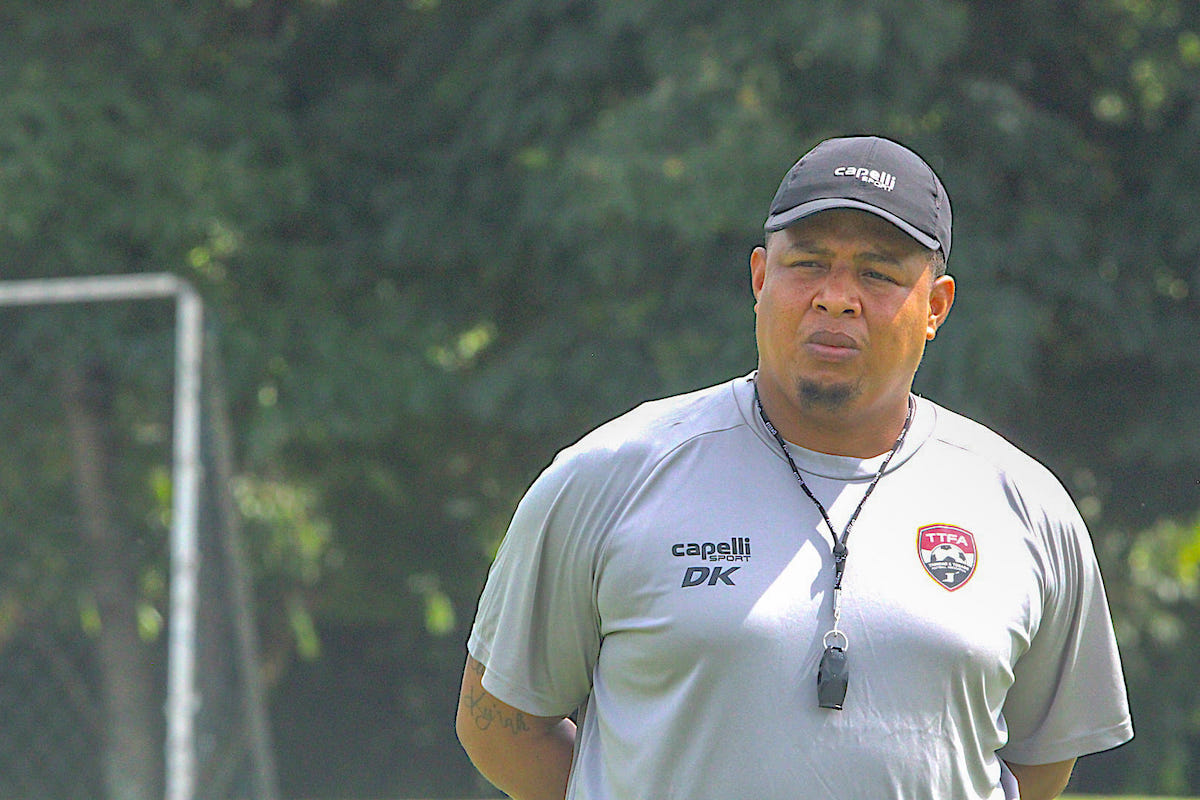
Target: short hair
937 262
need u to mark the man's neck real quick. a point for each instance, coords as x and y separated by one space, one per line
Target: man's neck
845 431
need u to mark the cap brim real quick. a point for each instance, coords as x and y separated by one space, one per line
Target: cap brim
777 222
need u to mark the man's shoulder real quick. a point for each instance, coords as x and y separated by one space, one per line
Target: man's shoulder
980 442
655 428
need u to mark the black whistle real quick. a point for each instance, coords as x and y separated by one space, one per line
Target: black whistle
833 677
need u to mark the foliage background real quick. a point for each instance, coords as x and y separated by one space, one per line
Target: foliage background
442 239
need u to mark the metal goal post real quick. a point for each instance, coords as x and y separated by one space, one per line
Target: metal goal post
181 703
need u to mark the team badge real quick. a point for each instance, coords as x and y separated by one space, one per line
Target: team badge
947 553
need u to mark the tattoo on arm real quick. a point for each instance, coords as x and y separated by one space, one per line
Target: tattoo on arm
486 712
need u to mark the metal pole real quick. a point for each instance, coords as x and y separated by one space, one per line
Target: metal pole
43 291
181 665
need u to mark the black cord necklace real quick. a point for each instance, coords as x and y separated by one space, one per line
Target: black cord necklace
833 676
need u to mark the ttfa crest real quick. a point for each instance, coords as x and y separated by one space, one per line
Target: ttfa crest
948 554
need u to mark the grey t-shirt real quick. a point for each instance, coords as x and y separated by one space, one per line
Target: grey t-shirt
667 577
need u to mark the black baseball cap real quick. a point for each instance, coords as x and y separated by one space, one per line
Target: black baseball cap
868 173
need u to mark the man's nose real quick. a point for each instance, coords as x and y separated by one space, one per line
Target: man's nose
838 294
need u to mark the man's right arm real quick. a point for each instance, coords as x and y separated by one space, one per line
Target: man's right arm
526 757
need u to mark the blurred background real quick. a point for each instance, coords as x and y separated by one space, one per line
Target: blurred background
438 240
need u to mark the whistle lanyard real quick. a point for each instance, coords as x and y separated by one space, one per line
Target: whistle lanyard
840 550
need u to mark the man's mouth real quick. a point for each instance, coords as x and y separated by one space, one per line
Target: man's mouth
832 345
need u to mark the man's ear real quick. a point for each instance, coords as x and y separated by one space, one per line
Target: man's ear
941 299
758 271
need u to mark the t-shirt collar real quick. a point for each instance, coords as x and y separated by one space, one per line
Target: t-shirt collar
843 468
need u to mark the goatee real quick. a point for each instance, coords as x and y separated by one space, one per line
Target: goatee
830 397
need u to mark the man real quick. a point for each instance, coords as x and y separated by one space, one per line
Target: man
808 582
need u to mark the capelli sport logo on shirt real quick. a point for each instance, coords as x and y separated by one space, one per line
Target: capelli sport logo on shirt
948 554
736 549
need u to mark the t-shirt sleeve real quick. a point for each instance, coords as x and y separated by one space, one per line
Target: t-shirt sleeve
537 628
1068 696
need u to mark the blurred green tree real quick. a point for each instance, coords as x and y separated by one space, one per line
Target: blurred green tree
128 143
443 239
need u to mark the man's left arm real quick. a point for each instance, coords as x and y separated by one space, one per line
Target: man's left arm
1042 781
1068 694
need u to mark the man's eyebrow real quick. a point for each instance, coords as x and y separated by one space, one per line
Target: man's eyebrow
799 246
885 258
804 246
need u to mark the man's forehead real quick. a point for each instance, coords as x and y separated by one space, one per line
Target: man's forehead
808 232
